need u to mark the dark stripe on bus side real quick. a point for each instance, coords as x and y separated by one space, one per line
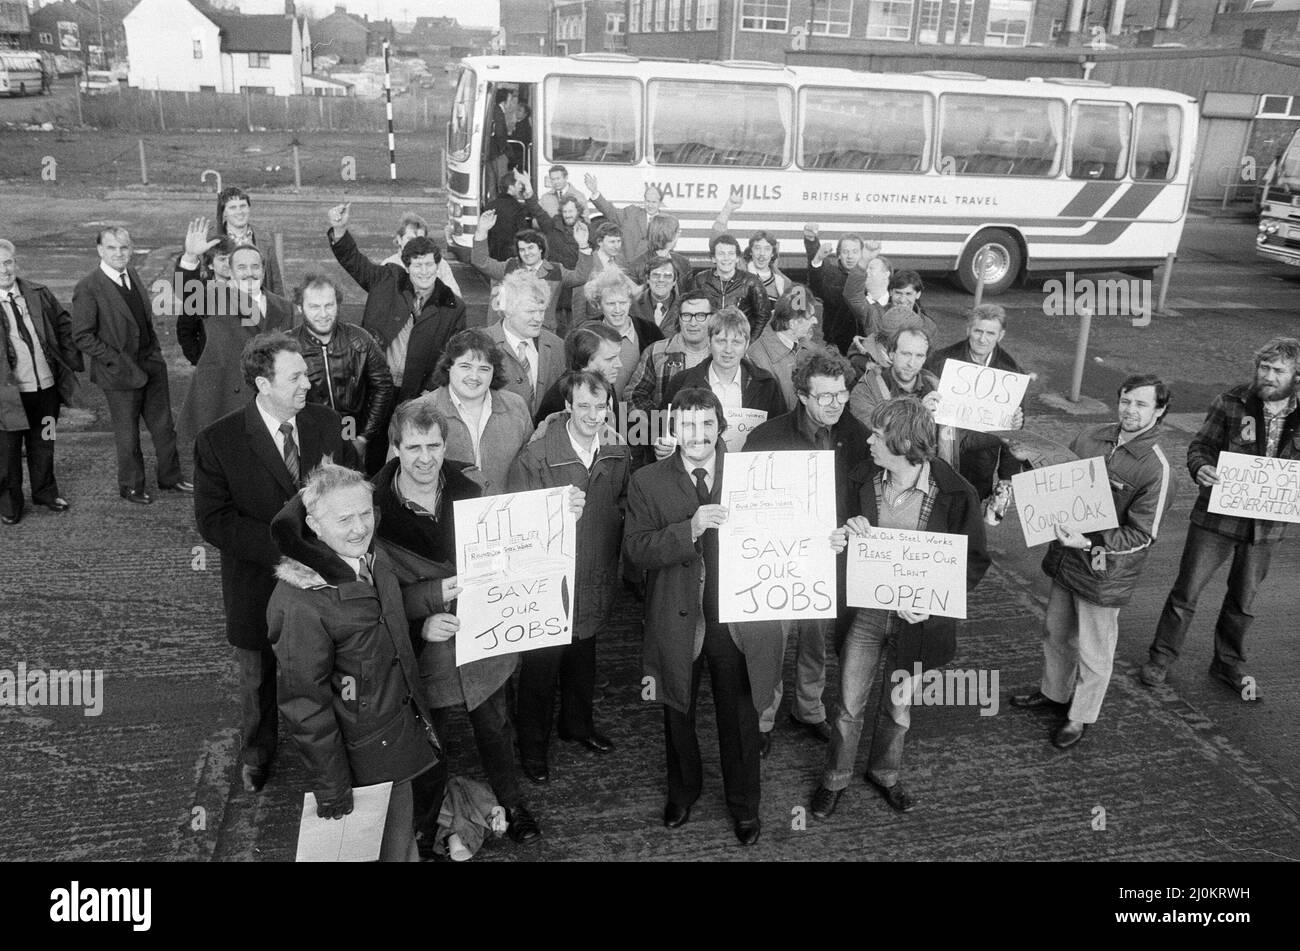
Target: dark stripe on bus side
1089 198
1135 201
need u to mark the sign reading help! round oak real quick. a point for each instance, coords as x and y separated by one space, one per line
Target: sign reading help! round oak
1075 494
774 551
893 569
515 562
1257 487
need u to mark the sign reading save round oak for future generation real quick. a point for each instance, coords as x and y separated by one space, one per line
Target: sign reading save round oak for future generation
1075 494
892 569
1261 487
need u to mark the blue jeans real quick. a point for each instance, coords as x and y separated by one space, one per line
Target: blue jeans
869 653
1203 554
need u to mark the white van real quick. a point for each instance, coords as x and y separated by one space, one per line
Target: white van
20 72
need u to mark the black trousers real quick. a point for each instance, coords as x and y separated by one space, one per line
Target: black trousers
259 716
575 666
152 402
738 739
41 407
494 735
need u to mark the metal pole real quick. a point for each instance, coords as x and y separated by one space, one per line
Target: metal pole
144 169
1164 282
279 256
1080 353
162 122
979 278
297 169
76 84
388 105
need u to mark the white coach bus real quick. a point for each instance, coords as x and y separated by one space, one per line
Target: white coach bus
943 168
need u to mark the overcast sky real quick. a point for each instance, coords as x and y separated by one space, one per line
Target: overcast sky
468 12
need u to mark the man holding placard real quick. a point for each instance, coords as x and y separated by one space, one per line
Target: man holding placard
673 517
1094 574
904 486
1258 419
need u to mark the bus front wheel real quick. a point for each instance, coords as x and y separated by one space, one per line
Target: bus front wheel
998 255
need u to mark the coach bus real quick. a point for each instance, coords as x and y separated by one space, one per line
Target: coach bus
1279 219
20 72
945 169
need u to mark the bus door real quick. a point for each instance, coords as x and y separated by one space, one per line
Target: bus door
508 137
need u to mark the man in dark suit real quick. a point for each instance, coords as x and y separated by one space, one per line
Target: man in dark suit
532 356
247 465
111 324
38 374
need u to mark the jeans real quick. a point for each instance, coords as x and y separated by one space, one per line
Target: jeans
1078 652
575 666
809 675
868 654
153 402
39 407
737 730
260 720
494 735
1203 554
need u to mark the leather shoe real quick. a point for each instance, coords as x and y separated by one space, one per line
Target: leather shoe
592 741
1235 681
523 827
1036 701
10 519
764 744
1069 733
675 816
747 830
895 795
537 771
138 496
1153 674
818 731
824 802
57 505
182 486
253 777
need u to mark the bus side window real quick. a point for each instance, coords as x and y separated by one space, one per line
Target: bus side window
881 130
1099 140
1158 129
1000 135
591 119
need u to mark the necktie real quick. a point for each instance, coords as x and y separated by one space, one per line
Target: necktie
363 571
824 440
290 451
701 486
16 315
122 281
528 367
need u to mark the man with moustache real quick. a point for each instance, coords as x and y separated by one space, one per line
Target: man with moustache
1094 575
1258 419
112 325
633 220
347 368
672 534
247 465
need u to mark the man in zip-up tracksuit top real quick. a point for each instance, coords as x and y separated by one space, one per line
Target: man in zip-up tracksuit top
1094 574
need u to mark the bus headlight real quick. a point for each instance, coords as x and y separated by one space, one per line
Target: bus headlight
453 209
1268 227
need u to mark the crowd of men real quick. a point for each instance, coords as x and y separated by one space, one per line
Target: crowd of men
304 427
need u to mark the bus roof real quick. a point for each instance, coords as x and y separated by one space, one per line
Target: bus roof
532 69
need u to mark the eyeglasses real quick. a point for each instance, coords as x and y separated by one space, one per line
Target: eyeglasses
693 318
830 399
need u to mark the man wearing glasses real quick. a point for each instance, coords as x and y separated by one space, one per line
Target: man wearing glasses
818 421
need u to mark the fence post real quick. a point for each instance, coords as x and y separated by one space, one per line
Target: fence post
162 122
248 109
76 83
297 170
979 277
1080 353
279 256
144 169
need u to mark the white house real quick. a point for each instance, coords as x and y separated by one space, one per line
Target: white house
184 45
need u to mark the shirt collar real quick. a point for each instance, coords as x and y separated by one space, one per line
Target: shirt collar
690 468
515 341
578 447
924 482
714 379
627 333
113 275
273 424
411 504
786 339
456 401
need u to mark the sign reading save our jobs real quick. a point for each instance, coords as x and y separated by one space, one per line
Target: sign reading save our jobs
890 568
984 399
774 551
1257 487
1075 494
515 562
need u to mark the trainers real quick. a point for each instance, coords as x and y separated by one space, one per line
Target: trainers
824 802
996 505
1153 674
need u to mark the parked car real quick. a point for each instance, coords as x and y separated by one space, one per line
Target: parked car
97 81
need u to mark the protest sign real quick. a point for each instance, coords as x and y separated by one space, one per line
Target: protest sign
1075 494
984 399
1261 487
740 423
890 568
774 555
515 562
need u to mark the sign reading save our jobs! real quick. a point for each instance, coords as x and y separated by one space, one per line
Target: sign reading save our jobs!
1257 487
515 562
1075 494
774 551
984 399
891 568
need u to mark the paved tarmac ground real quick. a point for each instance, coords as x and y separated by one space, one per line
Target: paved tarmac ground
1187 771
